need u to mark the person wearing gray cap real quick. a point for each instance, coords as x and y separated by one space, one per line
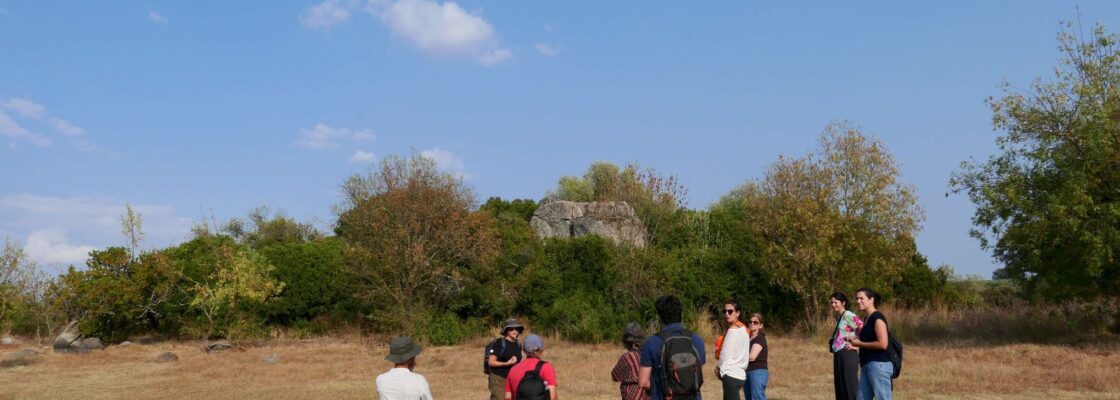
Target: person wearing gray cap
532 379
400 383
501 355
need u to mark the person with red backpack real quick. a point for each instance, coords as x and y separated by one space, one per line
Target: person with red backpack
532 379
672 360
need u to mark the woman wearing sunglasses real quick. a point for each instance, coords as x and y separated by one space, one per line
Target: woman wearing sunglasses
732 352
757 374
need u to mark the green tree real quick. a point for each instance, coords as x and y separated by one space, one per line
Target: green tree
261 227
412 238
312 274
835 219
242 281
1048 204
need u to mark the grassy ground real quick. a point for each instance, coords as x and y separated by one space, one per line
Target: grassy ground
345 369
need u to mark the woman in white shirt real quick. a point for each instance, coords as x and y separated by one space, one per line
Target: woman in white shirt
733 352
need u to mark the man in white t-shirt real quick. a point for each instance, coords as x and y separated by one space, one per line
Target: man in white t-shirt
400 383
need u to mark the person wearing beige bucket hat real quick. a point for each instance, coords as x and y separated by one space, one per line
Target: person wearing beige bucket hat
400 383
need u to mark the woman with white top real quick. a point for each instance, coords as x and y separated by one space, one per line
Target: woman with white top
733 352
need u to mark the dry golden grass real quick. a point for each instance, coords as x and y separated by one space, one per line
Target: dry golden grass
345 368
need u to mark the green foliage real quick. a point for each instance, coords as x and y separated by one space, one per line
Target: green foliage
919 285
242 281
312 275
443 329
262 228
1048 205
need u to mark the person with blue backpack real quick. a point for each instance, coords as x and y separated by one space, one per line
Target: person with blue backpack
671 364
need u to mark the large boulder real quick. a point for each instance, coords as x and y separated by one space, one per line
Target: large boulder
614 221
69 337
20 358
89 344
220 345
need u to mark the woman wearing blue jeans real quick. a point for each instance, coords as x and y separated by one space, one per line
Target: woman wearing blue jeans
757 374
875 366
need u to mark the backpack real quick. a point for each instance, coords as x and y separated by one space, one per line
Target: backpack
486 354
532 385
680 373
894 352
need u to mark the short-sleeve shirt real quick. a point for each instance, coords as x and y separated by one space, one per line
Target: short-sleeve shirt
867 334
760 361
402 384
548 374
651 357
512 349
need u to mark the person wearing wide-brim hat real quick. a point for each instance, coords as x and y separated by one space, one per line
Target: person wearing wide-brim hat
501 355
400 383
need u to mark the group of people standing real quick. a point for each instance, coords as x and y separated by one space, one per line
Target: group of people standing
668 365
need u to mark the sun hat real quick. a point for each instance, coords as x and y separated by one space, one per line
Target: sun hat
512 324
402 348
533 343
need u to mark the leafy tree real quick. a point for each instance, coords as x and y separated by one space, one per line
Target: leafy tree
20 285
1048 204
261 228
312 274
132 227
832 220
412 236
241 282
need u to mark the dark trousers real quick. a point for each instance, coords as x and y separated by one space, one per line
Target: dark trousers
845 374
731 387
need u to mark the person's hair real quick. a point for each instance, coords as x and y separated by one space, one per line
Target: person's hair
735 305
876 299
632 336
761 321
668 309
843 298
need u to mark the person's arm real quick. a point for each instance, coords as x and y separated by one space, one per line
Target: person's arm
426 391
756 349
643 377
880 342
552 391
734 341
493 361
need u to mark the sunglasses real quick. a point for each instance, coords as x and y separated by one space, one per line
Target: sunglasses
756 323
728 312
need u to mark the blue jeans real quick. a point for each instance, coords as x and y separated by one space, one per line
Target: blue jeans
756 383
875 380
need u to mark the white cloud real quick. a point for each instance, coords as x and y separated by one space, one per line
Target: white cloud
10 128
546 50
51 246
62 230
157 17
323 136
326 14
31 111
441 29
362 157
447 161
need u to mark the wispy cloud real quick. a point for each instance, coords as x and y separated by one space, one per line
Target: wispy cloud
323 136
62 230
362 157
441 29
447 161
157 17
546 50
327 14
35 113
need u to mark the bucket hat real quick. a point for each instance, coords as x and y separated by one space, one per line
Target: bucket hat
512 324
403 348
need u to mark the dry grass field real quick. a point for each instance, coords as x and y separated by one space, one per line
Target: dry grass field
337 368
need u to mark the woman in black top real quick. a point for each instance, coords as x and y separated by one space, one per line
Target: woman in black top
757 373
875 365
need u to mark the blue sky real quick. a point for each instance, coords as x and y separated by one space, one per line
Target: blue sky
197 110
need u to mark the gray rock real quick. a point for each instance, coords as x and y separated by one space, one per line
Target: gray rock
166 357
89 344
220 345
8 341
69 336
272 359
125 344
614 221
20 358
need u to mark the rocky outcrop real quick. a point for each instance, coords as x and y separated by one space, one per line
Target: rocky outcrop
614 221
220 345
20 358
72 341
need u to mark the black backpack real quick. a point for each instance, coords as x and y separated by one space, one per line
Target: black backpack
894 352
680 373
532 386
486 354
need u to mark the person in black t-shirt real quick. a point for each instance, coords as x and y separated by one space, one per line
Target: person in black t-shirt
875 365
503 354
